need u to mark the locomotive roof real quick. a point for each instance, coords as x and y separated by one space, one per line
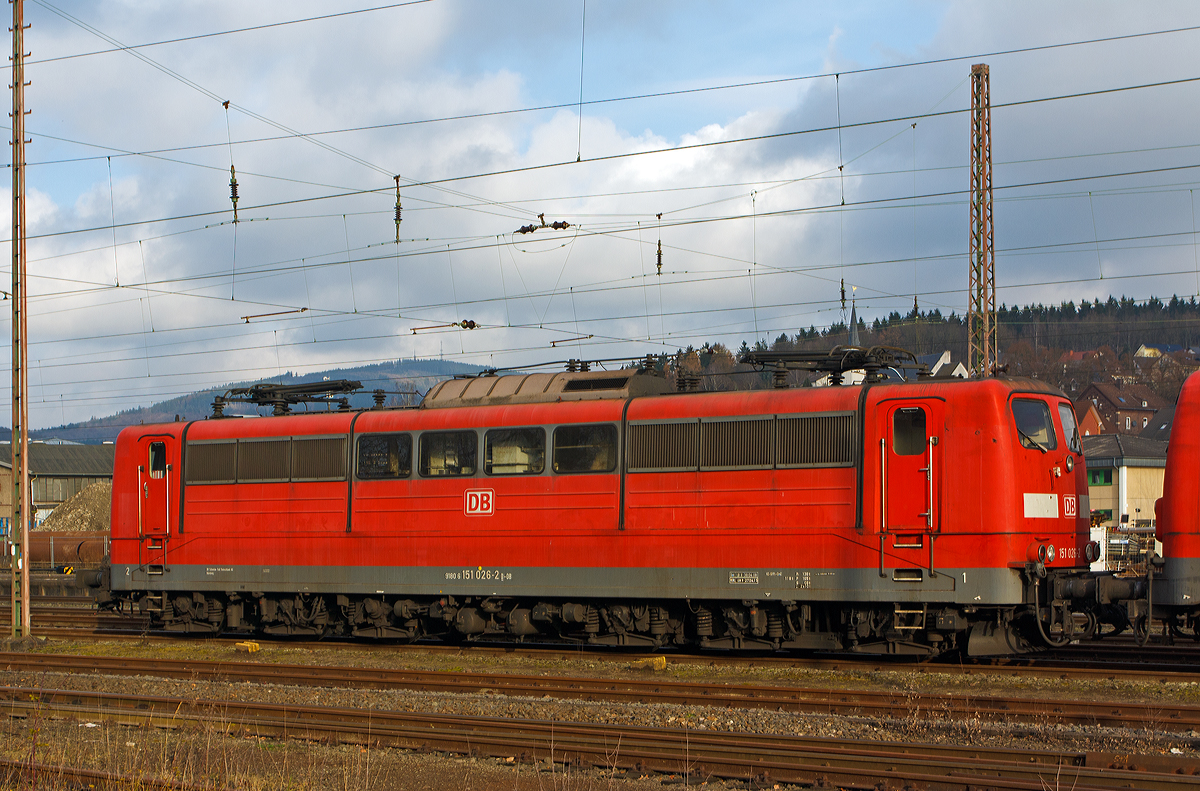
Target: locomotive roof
545 387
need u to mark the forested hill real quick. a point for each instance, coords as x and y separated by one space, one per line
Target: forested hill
394 377
1033 340
1122 324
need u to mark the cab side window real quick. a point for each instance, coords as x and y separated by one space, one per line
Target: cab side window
448 453
158 459
908 431
1034 425
1067 415
384 456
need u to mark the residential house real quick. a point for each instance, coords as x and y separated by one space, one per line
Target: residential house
1160 425
1157 349
942 366
1122 408
1089 420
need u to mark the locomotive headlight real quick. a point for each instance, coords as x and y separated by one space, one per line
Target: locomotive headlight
1050 553
1092 551
1070 463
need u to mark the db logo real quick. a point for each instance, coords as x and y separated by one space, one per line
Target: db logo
1069 505
479 502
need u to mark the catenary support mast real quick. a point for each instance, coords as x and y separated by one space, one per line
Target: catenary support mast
981 309
20 383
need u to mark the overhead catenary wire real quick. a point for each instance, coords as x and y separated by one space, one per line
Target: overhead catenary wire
753 254
682 91
677 149
112 206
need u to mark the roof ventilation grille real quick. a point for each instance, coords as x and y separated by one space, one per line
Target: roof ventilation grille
607 383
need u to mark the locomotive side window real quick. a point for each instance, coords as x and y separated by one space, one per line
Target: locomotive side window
319 459
211 462
1067 415
514 451
1034 426
585 448
158 459
908 431
385 456
447 453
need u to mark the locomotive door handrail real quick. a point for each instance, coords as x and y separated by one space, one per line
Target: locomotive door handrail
882 502
140 495
928 470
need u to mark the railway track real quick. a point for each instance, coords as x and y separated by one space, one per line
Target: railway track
691 754
1175 718
74 617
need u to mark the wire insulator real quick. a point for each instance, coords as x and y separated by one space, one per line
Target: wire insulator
397 210
233 191
660 256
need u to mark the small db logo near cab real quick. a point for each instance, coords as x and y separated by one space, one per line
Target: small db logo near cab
479 502
1069 507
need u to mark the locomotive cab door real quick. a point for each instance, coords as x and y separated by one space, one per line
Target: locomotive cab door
157 494
911 470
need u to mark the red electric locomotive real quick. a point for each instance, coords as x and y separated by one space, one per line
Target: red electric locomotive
890 516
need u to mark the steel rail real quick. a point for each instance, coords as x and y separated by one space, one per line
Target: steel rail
1170 717
22 774
692 753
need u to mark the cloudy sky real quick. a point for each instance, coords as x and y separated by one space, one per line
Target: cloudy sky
716 128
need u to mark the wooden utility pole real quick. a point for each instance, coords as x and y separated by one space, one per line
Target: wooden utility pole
21 500
981 308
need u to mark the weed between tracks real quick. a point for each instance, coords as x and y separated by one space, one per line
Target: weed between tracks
205 757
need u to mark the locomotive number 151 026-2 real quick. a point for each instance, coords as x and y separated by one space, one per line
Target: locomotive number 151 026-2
480 574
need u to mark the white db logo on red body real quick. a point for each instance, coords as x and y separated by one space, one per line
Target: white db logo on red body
479 502
1069 505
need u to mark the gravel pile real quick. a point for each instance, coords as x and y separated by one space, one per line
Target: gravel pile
88 511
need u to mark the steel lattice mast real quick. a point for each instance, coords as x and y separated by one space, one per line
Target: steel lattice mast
981 309
20 382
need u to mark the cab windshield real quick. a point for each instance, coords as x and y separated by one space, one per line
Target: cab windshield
1034 424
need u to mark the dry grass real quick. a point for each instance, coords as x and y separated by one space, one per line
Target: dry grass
204 756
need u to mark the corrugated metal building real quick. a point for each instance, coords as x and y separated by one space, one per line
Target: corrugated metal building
59 471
